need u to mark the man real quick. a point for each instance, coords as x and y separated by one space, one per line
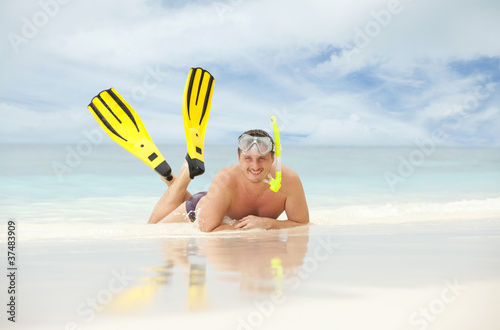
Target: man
239 192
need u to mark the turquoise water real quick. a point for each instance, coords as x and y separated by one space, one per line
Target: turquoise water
91 182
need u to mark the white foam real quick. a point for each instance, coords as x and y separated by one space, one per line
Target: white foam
408 212
78 231
114 218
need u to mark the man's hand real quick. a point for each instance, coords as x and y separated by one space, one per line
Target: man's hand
252 221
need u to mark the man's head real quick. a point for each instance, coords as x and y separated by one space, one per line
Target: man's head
256 154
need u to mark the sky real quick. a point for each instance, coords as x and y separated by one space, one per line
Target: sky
340 73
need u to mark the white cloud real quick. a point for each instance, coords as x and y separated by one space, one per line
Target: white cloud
266 56
25 126
438 30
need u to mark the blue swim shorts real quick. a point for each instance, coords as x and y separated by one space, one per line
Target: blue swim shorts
191 204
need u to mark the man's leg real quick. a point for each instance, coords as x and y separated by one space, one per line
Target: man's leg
177 215
173 198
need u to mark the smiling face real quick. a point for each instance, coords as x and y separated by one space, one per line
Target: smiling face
254 165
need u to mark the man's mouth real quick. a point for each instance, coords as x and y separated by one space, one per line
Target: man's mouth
255 172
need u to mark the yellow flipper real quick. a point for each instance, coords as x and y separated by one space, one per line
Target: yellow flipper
123 125
195 112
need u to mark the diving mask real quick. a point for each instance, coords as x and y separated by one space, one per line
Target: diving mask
263 143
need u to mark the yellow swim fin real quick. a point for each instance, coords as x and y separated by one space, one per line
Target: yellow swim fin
124 126
195 112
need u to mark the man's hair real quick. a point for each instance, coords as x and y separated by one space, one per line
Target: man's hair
257 132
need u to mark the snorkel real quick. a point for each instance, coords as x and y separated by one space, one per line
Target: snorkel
275 184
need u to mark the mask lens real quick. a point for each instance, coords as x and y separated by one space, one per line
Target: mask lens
264 145
245 142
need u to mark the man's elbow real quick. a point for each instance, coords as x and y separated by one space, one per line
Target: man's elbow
301 222
206 227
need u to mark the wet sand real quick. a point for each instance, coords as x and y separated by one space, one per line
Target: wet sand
429 275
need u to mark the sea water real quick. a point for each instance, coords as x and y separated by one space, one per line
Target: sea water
104 184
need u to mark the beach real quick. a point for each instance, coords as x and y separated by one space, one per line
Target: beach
409 276
422 257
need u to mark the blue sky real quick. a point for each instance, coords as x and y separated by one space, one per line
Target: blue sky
361 72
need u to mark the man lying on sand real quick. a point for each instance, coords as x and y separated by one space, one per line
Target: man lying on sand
239 192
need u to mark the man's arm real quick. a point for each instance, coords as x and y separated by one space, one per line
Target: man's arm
253 221
296 207
213 207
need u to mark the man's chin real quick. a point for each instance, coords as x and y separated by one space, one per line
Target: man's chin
256 178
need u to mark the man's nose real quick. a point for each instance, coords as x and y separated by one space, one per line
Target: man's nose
254 163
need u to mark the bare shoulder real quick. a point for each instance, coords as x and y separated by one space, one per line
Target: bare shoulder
289 172
225 179
290 177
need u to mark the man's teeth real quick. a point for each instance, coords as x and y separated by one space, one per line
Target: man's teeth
255 172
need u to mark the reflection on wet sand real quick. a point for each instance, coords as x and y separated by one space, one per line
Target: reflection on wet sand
260 261
196 287
140 295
